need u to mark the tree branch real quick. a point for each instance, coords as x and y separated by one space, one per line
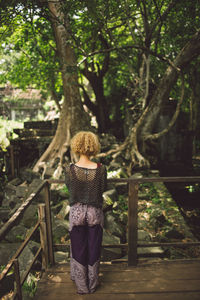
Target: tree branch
174 118
88 102
145 49
105 66
147 61
162 17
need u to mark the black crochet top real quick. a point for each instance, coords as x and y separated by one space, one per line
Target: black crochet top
86 185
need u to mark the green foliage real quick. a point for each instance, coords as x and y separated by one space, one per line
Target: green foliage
120 208
156 200
122 203
108 35
19 238
150 189
65 190
114 174
28 55
193 188
6 132
2 268
30 285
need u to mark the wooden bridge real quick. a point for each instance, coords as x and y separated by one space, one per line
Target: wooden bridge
167 280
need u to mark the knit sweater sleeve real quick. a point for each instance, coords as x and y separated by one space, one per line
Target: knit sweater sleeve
67 175
104 179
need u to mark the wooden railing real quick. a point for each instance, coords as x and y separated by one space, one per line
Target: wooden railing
46 242
44 222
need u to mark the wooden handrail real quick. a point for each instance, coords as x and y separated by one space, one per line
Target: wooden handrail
31 265
12 221
49 222
18 252
45 222
43 214
133 184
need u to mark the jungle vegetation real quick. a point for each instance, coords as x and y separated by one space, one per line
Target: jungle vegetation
118 61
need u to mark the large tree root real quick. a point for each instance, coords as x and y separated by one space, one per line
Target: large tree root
53 157
128 149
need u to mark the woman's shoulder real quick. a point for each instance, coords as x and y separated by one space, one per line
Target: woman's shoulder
102 167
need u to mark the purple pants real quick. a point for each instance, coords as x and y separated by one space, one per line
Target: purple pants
86 230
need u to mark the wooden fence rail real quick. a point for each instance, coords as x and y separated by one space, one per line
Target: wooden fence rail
133 188
45 224
46 247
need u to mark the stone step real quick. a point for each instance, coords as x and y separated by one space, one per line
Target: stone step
150 252
34 132
4 213
144 252
41 124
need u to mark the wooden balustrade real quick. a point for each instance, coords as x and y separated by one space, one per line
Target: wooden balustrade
133 189
46 248
45 224
43 235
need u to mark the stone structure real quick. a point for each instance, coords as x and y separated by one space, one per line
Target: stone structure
18 105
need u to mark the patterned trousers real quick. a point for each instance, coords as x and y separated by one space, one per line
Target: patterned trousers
86 230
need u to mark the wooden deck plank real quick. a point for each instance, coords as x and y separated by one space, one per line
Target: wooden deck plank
186 274
129 276
190 296
167 281
60 294
194 263
153 286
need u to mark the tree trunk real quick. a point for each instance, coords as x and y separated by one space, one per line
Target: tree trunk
142 131
195 107
96 76
100 107
101 103
72 117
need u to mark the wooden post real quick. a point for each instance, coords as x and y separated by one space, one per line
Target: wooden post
43 235
132 223
49 223
17 279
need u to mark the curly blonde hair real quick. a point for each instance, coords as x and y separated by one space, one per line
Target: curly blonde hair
85 142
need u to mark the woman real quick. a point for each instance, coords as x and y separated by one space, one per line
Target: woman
86 182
